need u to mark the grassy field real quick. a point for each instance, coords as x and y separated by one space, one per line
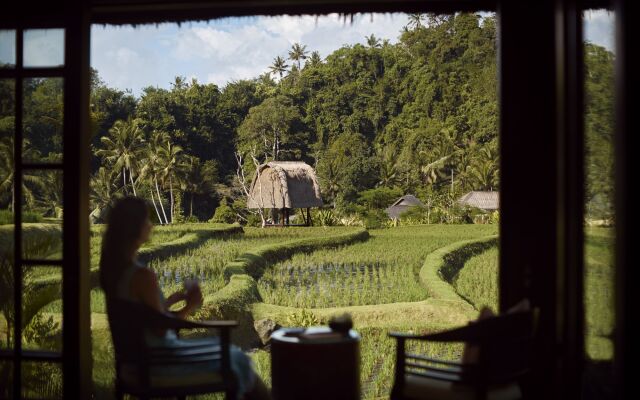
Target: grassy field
478 282
377 281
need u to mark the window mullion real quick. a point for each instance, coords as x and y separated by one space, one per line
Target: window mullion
17 222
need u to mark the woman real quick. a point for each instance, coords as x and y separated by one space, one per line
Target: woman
123 276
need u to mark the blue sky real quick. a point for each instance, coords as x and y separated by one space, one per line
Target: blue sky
237 48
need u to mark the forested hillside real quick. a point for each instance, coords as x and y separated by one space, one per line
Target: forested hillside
377 120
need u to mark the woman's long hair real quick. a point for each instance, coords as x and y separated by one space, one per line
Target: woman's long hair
124 225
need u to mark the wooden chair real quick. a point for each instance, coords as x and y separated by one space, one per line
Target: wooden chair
128 322
504 346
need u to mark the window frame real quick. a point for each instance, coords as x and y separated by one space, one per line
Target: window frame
555 241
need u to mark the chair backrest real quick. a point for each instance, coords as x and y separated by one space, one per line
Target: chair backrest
128 322
506 347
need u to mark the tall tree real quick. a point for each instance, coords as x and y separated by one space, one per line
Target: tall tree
122 149
152 168
199 179
172 169
279 66
275 129
415 20
373 42
315 59
298 53
103 191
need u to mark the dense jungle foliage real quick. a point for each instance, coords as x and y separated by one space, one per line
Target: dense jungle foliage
419 116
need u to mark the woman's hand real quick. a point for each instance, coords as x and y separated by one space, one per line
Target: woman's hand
175 298
193 296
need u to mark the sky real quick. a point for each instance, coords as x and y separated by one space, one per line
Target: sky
224 50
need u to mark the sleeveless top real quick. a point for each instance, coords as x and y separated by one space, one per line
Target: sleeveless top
123 291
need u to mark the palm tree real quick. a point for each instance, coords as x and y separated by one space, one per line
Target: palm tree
172 168
122 149
199 179
438 161
388 174
7 177
415 20
298 52
279 66
103 190
484 171
152 168
330 178
373 42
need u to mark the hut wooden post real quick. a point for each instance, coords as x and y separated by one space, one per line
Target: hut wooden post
286 213
308 216
282 217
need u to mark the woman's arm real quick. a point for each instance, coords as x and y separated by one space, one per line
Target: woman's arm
175 298
145 288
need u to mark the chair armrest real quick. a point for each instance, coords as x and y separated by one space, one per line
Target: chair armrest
469 333
449 363
159 320
189 324
479 331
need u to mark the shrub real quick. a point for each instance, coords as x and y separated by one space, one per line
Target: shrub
326 217
375 219
6 217
416 216
304 318
224 214
379 198
351 220
494 217
253 220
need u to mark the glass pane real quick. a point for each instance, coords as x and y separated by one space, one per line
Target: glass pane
41 380
7 48
42 214
42 308
44 47
7 128
6 284
6 379
599 278
7 120
43 119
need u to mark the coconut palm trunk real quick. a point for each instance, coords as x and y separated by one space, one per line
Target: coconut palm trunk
153 200
133 186
171 198
160 200
124 180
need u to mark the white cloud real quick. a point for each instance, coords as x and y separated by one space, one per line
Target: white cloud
43 47
223 50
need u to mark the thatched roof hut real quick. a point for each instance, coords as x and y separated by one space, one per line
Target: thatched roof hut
285 185
486 201
401 205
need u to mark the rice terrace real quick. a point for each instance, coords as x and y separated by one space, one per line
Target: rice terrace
363 180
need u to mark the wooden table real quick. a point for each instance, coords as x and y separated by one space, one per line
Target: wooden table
315 368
